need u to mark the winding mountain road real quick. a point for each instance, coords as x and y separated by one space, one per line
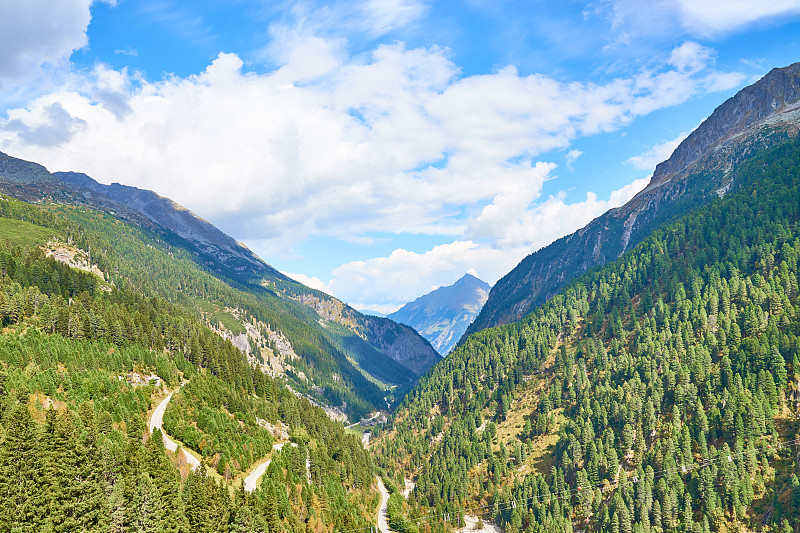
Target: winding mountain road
251 481
383 523
157 420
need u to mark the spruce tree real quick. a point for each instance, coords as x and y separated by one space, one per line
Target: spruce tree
21 467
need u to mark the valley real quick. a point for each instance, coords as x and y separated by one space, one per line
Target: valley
639 375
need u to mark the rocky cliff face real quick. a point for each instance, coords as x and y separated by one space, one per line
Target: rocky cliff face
399 342
443 315
700 169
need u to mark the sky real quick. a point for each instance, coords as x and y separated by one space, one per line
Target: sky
378 149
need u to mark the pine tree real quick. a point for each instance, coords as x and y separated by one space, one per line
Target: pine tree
117 508
20 471
147 507
167 482
78 502
196 496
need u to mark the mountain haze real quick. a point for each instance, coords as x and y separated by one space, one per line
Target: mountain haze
698 171
442 315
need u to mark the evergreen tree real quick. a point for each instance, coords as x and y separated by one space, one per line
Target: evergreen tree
21 469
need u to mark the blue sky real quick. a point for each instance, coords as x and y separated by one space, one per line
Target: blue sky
379 149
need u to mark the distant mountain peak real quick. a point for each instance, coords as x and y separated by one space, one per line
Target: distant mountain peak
469 278
442 315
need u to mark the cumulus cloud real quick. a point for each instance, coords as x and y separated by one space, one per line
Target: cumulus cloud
309 281
55 127
711 18
396 143
363 283
656 154
325 144
690 57
34 33
534 225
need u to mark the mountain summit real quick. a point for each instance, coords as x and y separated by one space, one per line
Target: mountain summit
699 170
442 316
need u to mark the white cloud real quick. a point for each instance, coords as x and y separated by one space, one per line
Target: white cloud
711 18
309 281
571 157
414 274
327 144
127 52
641 23
307 21
534 225
656 154
383 16
690 57
57 127
35 33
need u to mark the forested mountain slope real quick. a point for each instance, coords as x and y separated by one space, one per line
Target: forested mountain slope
699 170
84 357
443 315
658 393
326 349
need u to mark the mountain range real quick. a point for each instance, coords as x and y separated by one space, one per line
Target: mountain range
639 375
383 352
700 170
442 315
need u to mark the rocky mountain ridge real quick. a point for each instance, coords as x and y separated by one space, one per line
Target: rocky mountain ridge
397 340
33 183
699 170
170 215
